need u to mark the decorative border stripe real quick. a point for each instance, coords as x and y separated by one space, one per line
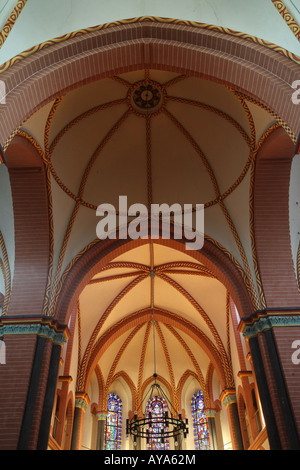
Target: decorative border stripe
150 19
244 373
228 396
267 321
45 327
5 268
65 378
11 21
210 413
288 17
82 400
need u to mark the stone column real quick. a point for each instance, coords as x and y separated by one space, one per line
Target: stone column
28 380
271 336
81 403
211 414
228 398
101 417
49 397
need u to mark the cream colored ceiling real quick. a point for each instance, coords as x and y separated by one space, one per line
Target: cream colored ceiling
203 122
202 136
170 341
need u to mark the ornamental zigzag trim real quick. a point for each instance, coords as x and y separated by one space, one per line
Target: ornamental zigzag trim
59 335
268 322
288 17
151 19
11 21
5 269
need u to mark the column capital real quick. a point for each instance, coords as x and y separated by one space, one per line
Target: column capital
82 400
65 378
267 319
98 411
210 412
244 373
101 415
228 396
46 327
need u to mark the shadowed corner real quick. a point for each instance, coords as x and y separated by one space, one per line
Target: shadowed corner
2 352
2 156
297 147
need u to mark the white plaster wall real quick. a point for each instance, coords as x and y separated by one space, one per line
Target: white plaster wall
6 222
6 7
120 388
190 388
294 207
41 20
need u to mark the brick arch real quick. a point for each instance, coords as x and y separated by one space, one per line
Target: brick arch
143 317
245 65
129 382
183 380
31 221
271 221
88 263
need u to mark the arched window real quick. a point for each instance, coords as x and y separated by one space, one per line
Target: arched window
200 422
157 407
113 426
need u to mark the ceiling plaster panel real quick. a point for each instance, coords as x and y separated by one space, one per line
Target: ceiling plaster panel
107 358
120 169
35 125
210 295
262 119
83 99
136 299
220 142
94 300
79 144
211 94
175 160
140 254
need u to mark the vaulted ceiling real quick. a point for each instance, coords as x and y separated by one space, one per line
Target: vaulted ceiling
154 136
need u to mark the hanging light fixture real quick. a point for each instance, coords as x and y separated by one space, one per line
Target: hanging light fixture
163 422
157 427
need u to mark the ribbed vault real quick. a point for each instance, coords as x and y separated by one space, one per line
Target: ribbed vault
157 137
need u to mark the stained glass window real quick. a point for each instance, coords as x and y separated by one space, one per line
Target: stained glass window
156 407
200 422
113 426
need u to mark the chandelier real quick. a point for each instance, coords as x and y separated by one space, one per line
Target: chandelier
157 426
163 422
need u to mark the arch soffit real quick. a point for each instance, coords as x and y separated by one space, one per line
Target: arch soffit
58 64
142 38
143 317
101 252
208 52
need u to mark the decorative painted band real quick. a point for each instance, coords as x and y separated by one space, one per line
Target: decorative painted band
81 400
210 413
101 416
262 322
149 19
228 396
244 373
40 326
65 378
